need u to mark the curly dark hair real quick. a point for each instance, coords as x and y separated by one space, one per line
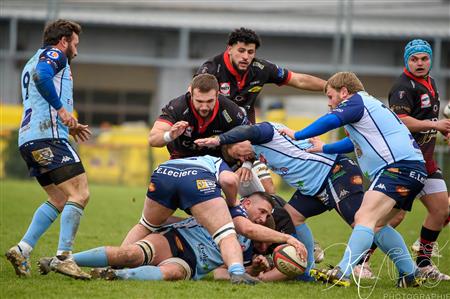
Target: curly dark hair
56 30
244 35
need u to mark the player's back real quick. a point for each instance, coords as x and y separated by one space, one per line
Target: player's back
207 253
288 158
380 137
207 162
39 119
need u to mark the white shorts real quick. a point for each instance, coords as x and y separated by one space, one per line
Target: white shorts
433 186
259 172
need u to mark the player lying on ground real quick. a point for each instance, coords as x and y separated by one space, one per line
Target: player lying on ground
388 155
184 250
323 182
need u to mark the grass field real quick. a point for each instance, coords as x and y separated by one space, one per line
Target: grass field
113 210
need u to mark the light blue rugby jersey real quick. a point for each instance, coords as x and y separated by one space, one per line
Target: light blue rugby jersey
286 157
380 138
214 165
39 119
206 251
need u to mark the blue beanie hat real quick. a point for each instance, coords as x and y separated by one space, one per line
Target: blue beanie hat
417 46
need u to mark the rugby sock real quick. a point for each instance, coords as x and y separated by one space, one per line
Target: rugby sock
391 242
305 236
427 239
236 269
44 216
140 273
70 220
358 244
92 258
366 257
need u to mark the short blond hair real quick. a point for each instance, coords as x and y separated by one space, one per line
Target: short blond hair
344 79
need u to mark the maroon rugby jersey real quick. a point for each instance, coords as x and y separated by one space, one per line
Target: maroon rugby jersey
418 98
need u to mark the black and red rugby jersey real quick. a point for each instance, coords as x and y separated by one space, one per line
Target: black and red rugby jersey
418 98
226 115
243 89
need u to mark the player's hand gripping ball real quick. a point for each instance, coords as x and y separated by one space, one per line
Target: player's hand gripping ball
287 261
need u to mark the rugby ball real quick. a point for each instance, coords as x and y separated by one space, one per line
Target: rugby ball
446 111
287 261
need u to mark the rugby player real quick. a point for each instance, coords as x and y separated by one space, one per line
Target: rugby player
184 250
388 155
323 181
242 76
47 122
415 99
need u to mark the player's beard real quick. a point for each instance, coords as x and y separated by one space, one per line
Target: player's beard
69 54
236 67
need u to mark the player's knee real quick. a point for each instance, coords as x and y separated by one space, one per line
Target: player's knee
224 232
148 225
81 197
228 180
175 268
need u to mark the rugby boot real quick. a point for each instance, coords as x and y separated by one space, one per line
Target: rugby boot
319 254
432 272
333 276
20 262
363 271
63 265
410 281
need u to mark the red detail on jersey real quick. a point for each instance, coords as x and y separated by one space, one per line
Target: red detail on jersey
165 121
239 79
202 125
287 78
426 83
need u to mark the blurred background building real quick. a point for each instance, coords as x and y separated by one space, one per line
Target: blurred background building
135 56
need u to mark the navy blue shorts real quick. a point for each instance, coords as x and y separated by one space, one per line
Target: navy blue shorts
182 186
401 181
342 190
45 155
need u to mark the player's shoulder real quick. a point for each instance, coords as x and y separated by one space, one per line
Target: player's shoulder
54 54
179 103
211 65
226 103
403 82
261 65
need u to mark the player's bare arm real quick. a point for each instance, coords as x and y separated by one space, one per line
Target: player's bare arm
416 125
306 82
261 233
162 132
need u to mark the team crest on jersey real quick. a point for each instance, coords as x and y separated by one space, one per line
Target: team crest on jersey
52 54
227 116
188 131
255 89
284 170
43 156
401 94
225 88
425 101
258 64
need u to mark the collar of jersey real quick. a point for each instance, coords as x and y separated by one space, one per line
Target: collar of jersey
426 83
202 125
239 79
